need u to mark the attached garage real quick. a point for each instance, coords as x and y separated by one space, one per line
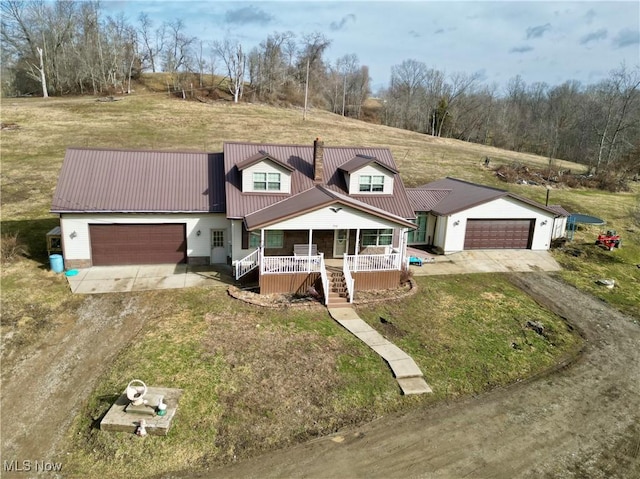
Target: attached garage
499 234
117 244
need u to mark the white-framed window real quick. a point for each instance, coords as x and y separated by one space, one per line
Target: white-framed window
266 181
383 237
254 239
372 183
272 239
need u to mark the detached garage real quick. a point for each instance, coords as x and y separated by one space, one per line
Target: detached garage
455 215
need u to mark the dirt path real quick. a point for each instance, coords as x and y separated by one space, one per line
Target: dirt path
580 422
43 391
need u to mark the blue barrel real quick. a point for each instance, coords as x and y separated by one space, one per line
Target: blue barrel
57 265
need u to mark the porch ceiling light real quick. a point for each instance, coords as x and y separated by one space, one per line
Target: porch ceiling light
456 222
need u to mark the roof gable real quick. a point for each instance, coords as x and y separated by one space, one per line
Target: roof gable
262 156
124 181
311 200
359 161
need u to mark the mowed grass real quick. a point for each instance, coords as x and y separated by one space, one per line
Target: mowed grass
256 379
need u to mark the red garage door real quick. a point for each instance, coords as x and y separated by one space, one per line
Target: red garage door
138 244
498 234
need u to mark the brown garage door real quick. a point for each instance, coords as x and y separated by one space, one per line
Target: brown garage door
498 234
138 244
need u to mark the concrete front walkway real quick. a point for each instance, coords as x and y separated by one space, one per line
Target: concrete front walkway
404 368
484 261
118 279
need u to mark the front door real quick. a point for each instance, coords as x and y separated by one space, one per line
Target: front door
218 249
340 242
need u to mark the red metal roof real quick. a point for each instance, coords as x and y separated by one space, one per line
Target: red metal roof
359 161
101 180
300 158
261 156
310 200
425 200
464 195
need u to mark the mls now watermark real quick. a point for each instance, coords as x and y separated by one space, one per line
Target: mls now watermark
31 466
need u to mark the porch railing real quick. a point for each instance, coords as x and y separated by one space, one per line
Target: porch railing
374 262
348 278
325 279
247 264
290 264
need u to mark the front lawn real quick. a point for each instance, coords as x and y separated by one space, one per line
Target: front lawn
257 379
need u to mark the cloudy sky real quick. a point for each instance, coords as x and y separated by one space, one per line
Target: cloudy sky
541 41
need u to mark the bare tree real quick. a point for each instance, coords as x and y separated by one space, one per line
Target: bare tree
235 62
153 42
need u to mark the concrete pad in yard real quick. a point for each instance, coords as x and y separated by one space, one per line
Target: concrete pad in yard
390 352
405 368
372 338
111 273
414 386
95 286
118 419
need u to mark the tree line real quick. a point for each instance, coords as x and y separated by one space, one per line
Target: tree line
71 47
597 125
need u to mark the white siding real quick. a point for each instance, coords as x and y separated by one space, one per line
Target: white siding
266 167
353 180
559 227
79 247
502 208
326 219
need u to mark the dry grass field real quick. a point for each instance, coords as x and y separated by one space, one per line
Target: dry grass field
240 400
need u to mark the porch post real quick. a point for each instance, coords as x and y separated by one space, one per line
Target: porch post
309 255
356 250
401 247
262 251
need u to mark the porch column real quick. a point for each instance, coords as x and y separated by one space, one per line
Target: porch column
401 247
310 250
261 251
356 250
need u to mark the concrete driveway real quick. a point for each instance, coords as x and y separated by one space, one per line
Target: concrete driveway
484 261
118 279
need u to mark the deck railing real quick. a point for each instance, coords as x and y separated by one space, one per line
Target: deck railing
247 264
374 262
348 279
325 279
290 264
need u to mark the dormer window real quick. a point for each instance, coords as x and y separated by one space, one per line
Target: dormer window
266 181
372 183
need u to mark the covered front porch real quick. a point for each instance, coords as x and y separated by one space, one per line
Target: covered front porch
335 262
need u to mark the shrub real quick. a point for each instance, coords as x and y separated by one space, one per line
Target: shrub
11 248
405 274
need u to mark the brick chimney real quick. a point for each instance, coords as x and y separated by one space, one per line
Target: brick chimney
318 163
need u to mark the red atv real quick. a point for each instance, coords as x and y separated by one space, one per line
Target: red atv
609 240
